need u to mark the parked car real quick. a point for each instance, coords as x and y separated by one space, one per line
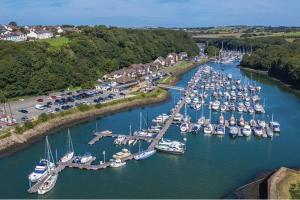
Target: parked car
39 100
122 94
57 110
24 118
23 111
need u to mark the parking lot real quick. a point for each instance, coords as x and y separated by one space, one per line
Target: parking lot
29 108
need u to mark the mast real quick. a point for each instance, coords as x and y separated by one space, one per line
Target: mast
140 121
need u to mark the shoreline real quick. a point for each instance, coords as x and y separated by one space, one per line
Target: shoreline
15 142
278 81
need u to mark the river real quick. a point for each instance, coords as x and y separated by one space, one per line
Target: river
210 168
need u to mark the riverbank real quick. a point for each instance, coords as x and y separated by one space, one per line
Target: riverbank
278 81
282 183
18 140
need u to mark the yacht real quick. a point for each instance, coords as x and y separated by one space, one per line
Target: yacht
45 165
170 149
168 142
41 170
117 163
122 154
247 130
86 158
48 184
70 150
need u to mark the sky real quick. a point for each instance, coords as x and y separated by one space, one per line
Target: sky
140 13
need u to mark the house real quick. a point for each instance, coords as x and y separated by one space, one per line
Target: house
40 34
59 30
182 55
170 61
160 60
15 37
44 34
172 56
117 74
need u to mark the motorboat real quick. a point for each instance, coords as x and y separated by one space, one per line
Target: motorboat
122 154
86 158
184 127
117 163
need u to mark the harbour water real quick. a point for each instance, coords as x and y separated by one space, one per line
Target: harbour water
210 168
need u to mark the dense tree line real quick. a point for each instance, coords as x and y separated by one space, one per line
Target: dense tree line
29 68
273 54
281 61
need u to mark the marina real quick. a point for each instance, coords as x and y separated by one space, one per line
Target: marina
169 128
221 90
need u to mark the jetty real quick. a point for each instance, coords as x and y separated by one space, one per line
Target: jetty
106 133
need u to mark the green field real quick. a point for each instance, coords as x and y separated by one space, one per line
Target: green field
57 42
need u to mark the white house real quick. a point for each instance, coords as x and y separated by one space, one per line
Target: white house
40 34
59 30
15 37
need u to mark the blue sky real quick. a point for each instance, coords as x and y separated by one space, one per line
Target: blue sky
139 13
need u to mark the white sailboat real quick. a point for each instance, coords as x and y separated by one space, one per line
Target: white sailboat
70 150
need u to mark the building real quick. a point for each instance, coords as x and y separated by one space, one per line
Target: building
41 34
182 55
15 37
160 60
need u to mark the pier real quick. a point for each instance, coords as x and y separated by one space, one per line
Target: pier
166 126
102 134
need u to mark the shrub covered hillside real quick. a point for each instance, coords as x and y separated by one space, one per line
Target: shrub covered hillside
281 61
29 68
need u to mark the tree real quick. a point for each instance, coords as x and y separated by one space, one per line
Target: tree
13 23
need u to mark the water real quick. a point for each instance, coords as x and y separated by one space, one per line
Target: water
210 168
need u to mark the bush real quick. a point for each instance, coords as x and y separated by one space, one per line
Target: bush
28 125
83 107
19 129
43 117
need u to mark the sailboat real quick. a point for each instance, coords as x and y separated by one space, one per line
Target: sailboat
44 166
208 129
201 120
143 154
275 126
50 181
70 152
185 125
